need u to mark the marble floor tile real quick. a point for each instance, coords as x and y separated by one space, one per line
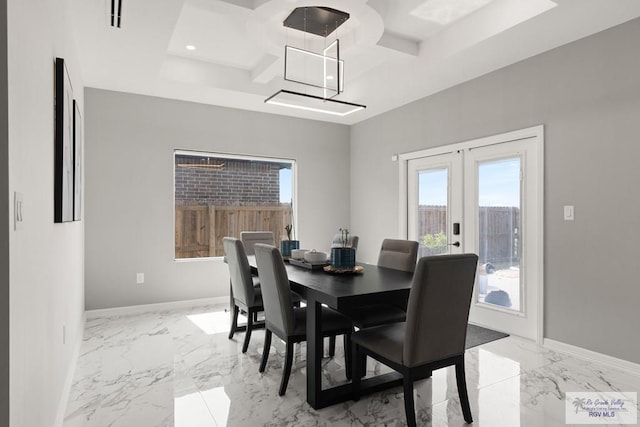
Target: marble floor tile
178 368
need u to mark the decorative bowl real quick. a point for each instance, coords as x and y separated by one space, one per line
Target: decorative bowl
314 256
298 253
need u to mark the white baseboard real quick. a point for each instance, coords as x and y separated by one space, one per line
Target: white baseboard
145 308
71 370
583 353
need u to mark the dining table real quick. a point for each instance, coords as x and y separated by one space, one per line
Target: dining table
341 291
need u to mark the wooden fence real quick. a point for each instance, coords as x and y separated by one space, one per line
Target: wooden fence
498 228
432 219
499 234
200 229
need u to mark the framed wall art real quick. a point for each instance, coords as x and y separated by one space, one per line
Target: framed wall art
63 152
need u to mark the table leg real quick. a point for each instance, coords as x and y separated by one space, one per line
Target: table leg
318 398
314 352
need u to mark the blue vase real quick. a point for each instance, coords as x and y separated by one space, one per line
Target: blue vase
343 258
287 245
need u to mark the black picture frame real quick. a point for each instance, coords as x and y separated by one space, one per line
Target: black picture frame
77 162
63 161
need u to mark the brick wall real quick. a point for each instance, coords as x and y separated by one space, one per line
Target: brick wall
226 181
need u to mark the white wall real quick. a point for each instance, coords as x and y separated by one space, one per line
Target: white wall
129 142
46 264
587 94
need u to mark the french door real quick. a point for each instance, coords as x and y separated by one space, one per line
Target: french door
485 197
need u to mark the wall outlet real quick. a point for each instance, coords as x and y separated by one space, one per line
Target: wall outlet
140 278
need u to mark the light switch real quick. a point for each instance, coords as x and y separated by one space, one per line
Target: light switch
568 213
18 205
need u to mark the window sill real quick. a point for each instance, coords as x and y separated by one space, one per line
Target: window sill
200 259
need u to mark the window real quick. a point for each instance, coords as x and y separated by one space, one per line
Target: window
219 195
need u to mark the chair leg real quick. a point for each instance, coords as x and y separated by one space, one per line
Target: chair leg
234 321
265 351
409 408
287 369
347 355
247 336
332 345
462 392
355 370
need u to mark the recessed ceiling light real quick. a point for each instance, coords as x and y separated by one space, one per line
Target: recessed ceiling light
190 47
329 77
444 12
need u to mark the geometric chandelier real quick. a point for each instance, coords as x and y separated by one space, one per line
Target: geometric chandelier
322 73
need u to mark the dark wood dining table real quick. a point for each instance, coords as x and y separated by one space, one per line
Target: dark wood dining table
342 291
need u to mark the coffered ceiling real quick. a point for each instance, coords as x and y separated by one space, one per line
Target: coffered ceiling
395 51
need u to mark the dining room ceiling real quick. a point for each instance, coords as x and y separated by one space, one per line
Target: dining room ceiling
231 52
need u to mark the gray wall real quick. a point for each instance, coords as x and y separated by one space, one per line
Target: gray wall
4 219
129 143
587 94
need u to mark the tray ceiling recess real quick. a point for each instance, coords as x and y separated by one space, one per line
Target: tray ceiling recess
327 70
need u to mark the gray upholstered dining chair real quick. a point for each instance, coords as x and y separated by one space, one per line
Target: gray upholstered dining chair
434 333
250 238
398 254
247 295
287 322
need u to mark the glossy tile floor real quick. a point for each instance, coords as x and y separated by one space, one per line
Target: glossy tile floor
177 368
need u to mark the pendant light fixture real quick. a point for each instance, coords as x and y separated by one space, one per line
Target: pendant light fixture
321 72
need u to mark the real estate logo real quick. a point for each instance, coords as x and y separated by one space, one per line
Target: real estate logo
601 407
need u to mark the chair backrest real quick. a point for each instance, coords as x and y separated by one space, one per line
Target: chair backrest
398 254
239 271
438 309
276 293
250 238
352 241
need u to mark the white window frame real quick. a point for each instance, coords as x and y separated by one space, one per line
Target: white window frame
233 156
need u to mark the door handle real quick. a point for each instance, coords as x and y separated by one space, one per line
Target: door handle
456 244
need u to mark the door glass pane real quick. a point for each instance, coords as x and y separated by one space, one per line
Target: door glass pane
432 212
499 240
